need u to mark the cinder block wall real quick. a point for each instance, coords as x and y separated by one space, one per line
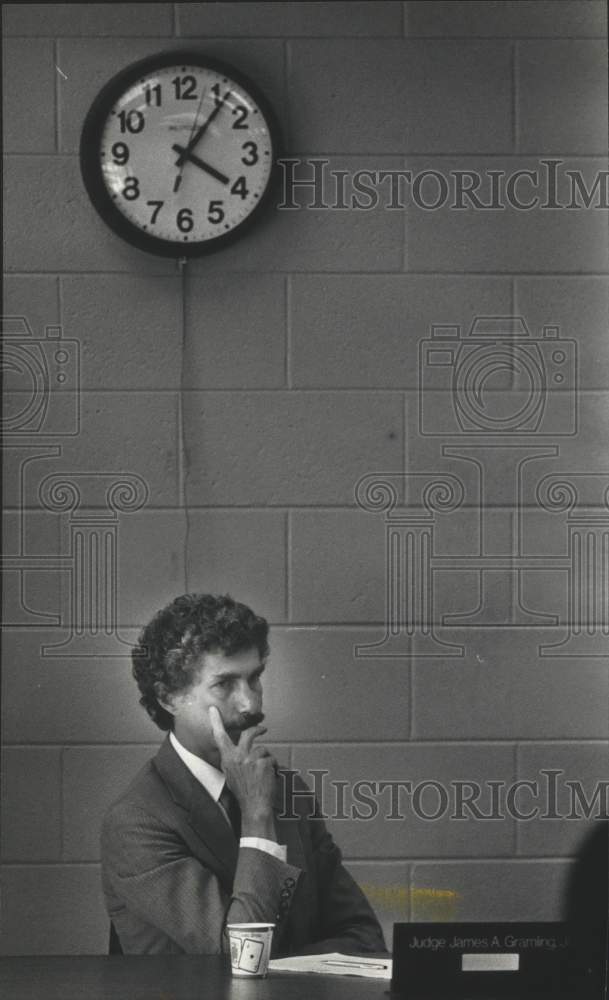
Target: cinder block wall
253 393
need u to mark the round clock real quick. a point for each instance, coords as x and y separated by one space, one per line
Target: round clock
178 154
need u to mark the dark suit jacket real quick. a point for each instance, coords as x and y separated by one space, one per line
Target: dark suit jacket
173 873
587 910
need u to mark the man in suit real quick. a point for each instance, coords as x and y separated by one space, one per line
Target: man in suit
205 834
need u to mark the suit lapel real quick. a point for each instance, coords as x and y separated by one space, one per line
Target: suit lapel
206 820
204 815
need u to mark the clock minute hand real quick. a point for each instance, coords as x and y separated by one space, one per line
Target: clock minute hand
193 158
200 133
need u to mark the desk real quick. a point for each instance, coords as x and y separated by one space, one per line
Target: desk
166 977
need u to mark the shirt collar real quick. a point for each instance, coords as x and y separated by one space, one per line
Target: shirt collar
210 777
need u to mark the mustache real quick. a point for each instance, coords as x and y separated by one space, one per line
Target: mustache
248 721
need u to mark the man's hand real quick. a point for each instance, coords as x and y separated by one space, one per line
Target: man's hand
250 775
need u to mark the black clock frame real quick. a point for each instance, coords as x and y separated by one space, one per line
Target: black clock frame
90 160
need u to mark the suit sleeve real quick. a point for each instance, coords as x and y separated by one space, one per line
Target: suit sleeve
347 922
163 899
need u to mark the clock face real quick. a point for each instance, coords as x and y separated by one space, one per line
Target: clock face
178 154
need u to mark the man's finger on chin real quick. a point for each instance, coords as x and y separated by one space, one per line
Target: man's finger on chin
217 725
249 735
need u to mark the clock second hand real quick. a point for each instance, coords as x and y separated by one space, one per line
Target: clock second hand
180 164
193 158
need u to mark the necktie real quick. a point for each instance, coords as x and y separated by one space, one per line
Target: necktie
231 807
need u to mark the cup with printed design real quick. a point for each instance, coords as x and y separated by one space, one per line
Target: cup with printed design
250 949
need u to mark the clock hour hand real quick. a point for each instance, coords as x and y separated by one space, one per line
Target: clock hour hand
193 158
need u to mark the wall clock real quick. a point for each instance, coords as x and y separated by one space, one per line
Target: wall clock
178 154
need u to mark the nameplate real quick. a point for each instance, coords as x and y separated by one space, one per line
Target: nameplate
479 959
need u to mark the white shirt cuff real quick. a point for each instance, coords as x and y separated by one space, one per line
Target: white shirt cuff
278 851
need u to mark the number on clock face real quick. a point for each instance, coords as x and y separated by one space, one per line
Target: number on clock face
185 154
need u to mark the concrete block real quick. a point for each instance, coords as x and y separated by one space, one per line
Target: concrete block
364 331
35 298
337 567
93 777
546 591
569 542
489 891
506 18
526 241
32 598
544 533
582 765
129 329
53 910
397 109
31 578
302 237
483 601
240 552
90 63
115 438
431 768
289 20
562 88
236 332
586 451
473 573
30 533
340 562
23 471
503 689
550 448
31 808
579 306
487 473
90 19
102 694
150 559
316 689
28 76
287 448
458 396
386 886
50 224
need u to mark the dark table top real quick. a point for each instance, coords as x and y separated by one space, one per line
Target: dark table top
167 977
181 977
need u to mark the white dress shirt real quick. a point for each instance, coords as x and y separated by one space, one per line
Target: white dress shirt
213 781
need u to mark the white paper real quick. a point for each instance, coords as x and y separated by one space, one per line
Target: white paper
335 964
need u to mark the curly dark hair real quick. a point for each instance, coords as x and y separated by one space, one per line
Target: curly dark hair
165 657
